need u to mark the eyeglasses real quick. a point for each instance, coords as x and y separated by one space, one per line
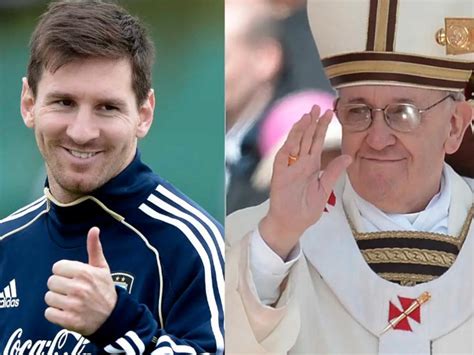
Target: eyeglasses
400 117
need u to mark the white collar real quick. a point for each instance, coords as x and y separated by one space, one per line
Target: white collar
366 296
434 218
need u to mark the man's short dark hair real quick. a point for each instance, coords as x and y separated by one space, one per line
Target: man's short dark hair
81 29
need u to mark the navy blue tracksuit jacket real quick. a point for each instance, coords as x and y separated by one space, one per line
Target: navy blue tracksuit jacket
166 258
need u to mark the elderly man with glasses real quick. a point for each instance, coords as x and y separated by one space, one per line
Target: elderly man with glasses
375 254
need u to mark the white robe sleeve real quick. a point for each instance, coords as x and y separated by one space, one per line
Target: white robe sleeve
256 327
268 269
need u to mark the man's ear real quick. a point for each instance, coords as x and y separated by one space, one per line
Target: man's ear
145 112
460 121
27 104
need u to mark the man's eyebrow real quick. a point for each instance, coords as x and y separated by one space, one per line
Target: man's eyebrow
113 101
357 100
404 99
354 100
361 100
58 95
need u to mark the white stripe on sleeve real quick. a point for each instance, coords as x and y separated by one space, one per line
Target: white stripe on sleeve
217 235
183 349
205 234
207 269
112 350
136 340
24 212
165 350
126 346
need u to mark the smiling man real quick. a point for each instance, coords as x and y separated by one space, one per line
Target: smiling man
113 259
374 255
86 129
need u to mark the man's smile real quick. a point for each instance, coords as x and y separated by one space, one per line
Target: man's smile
82 154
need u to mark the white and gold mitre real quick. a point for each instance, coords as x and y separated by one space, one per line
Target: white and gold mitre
419 43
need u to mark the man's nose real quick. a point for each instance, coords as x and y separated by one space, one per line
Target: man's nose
379 134
83 127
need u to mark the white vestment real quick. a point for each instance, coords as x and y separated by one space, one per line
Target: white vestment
333 302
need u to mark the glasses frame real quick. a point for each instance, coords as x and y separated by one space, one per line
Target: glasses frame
384 111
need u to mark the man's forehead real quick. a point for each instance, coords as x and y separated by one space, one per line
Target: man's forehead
91 75
389 92
55 66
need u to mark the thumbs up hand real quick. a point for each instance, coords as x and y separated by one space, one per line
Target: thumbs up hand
81 296
94 250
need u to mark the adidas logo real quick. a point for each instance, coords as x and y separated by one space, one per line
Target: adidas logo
9 298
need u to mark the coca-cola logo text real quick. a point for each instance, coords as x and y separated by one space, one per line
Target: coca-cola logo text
18 346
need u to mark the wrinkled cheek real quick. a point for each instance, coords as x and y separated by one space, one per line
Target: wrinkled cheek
46 133
351 143
352 170
40 142
368 173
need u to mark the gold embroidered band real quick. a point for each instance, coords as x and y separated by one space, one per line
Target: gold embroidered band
410 257
347 69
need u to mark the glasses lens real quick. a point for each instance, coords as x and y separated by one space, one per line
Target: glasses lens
354 117
403 117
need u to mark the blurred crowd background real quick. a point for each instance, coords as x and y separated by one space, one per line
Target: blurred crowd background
186 143
272 77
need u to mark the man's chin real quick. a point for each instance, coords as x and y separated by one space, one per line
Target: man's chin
79 188
376 187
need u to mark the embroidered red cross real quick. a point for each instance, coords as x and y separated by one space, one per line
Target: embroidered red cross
394 312
331 201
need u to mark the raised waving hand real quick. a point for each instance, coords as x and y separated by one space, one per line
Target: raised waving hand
299 189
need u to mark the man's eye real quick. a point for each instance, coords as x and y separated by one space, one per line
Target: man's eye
109 108
399 109
358 110
66 103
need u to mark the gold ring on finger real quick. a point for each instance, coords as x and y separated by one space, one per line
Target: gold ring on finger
292 159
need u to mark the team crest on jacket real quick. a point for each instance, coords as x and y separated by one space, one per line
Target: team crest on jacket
124 280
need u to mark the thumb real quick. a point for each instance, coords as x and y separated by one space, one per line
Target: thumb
332 172
94 249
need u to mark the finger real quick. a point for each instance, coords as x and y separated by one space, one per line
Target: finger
60 284
57 300
94 249
333 171
308 135
55 315
293 141
59 317
69 268
321 130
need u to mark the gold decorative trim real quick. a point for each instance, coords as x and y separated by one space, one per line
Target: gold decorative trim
457 35
377 66
445 62
407 234
466 226
406 279
458 242
408 256
381 25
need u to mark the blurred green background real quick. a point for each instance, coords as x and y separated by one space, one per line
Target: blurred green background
186 142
